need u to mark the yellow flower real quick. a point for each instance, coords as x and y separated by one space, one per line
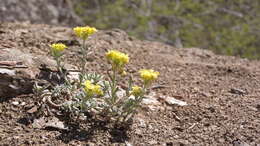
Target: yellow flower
77 31
84 32
56 49
59 47
136 91
118 59
92 89
148 75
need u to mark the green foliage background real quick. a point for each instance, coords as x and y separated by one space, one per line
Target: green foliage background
230 27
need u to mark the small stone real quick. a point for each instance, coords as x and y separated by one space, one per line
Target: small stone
138 132
171 101
239 142
150 101
206 94
153 142
32 110
150 127
237 91
15 103
18 129
142 123
156 130
56 123
39 123
258 107
171 144
252 108
211 109
48 123
221 140
90 144
7 71
16 137
128 144
73 76
23 104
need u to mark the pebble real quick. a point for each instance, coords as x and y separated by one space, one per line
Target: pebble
23 103
150 100
138 132
171 101
239 142
15 103
237 91
142 123
153 142
258 107
90 144
128 144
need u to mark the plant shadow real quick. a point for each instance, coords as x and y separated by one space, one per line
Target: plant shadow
91 128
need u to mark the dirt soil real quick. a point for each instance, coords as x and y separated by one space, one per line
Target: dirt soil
222 92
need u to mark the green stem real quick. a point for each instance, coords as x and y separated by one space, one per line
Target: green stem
60 70
136 103
84 58
114 78
84 50
58 64
114 82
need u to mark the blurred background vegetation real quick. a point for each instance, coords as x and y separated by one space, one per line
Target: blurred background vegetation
230 27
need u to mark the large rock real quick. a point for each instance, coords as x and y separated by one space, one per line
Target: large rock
20 70
39 11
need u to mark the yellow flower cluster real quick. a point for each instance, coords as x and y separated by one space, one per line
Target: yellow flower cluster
136 91
92 89
84 32
56 49
118 59
59 47
148 75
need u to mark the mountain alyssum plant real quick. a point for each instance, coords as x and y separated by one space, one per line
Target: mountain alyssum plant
91 94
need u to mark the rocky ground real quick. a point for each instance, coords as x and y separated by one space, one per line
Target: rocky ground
222 93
